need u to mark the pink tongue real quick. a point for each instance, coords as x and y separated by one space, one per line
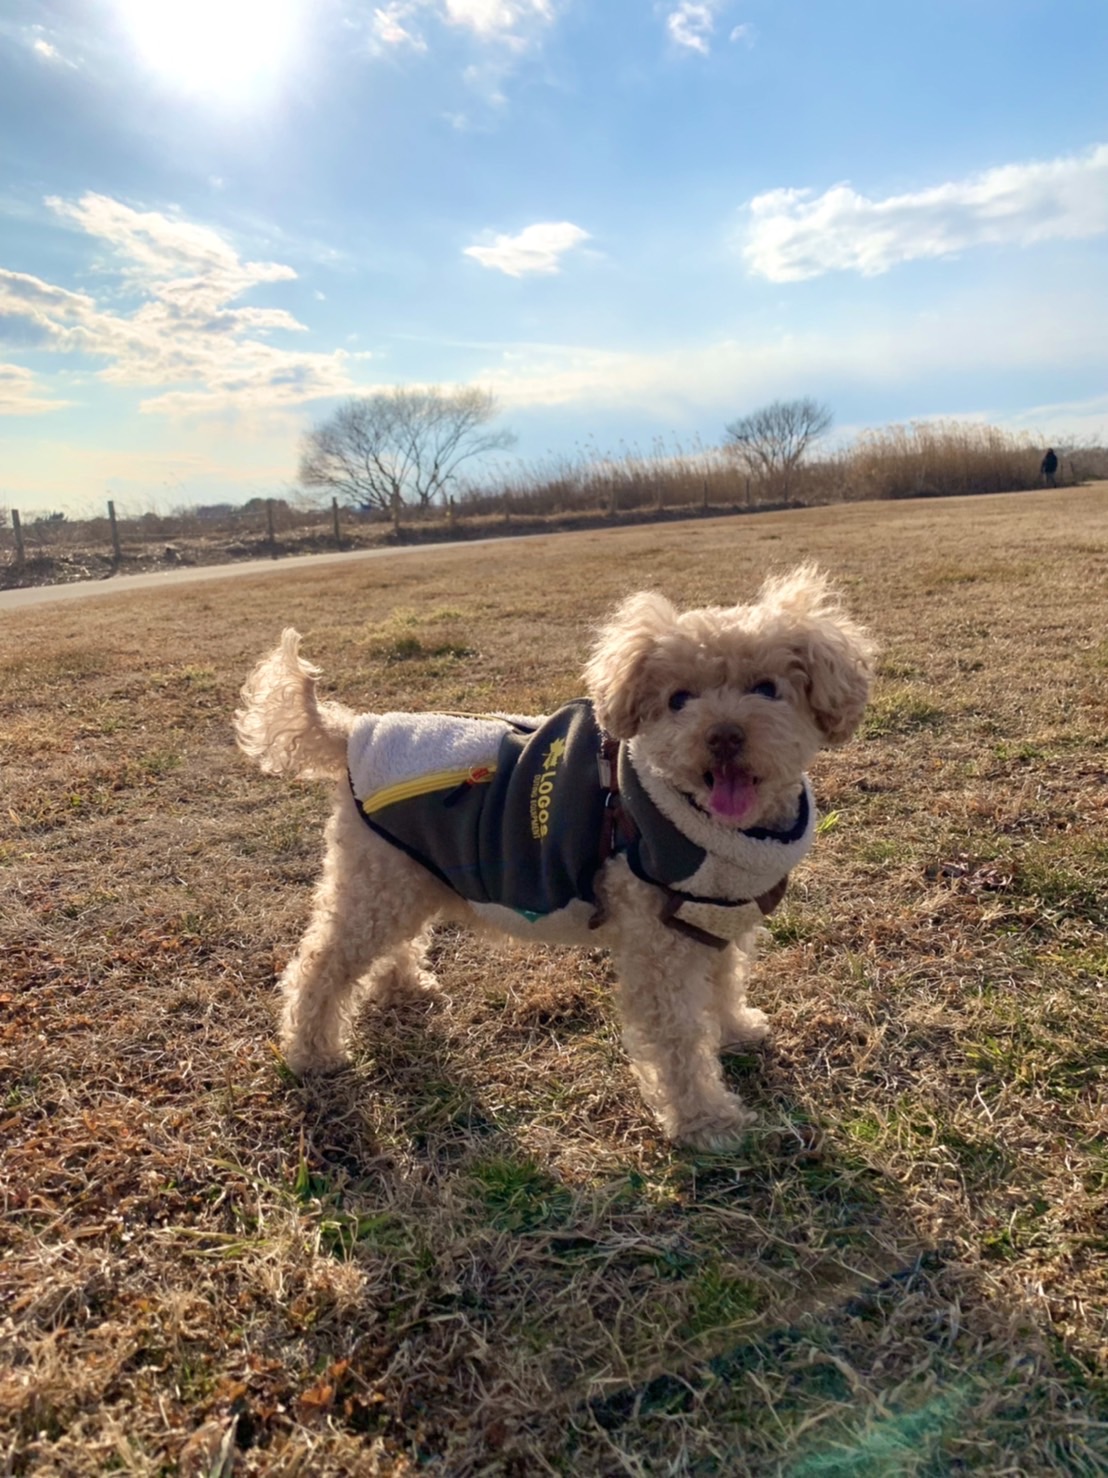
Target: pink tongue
733 792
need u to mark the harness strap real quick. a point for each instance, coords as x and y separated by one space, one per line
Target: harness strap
618 832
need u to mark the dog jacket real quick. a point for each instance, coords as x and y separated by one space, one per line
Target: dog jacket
511 812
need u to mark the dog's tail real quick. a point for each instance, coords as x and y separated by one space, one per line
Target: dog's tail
283 725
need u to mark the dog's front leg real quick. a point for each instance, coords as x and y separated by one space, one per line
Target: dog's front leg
671 1028
741 1026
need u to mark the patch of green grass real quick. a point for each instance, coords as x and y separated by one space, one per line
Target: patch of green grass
900 710
721 1299
865 1128
903 1443
898 669
343 1229
1022 752
981 1160
22 1093
1074 1072
341 1232
959 577
424 618
159 762
517 1195
412 649
878 850
200 677
446 1105
796 925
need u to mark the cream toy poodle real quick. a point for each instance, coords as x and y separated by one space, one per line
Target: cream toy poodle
659 817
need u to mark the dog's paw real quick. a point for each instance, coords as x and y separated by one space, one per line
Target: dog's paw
394 982
307 1057
746 1028
723 1128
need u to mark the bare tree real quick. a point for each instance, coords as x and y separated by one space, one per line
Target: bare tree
772 441
400 447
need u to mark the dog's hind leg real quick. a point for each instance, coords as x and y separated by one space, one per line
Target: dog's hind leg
372 903
403 974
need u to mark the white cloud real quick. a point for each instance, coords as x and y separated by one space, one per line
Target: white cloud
691 25
536 251
45 50
20 394
794 235
500 19
389 29
185 335
1068 422
1060 332
512 23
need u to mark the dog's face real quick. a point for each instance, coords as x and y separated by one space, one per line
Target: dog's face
730 705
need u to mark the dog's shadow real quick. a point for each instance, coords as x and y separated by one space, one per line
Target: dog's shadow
706 1272
418 1099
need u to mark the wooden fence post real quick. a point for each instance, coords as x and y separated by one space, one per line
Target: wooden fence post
17 530
116 550
269 527
335 520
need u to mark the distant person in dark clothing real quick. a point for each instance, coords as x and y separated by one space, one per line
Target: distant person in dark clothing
1049 467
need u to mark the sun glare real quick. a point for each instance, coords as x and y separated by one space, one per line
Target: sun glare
231 48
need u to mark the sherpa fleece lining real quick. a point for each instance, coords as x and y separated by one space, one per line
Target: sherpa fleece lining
734 865
393 756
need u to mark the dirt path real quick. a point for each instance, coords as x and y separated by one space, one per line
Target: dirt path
33 595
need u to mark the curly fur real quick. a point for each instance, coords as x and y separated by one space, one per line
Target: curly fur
690 693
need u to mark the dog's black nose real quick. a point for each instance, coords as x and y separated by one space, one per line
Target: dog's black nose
725 742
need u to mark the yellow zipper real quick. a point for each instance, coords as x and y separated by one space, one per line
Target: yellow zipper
406 790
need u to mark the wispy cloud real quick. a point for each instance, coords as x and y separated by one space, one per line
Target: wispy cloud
20 394
186 334
35 37
691 24
389 27
501 19
1060 331
513 24
536 251
794 235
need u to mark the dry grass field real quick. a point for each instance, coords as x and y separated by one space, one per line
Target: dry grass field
471 1253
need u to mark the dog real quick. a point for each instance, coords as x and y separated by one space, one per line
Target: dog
659 817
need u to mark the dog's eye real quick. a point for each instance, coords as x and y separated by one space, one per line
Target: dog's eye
678 700
765 690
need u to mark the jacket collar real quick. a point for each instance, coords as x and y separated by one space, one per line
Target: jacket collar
680 848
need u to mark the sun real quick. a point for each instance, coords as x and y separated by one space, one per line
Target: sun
228 48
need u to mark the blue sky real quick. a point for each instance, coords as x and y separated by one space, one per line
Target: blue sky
630 219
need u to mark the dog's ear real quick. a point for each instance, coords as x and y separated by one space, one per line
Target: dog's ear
616 675
838 661
836 653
